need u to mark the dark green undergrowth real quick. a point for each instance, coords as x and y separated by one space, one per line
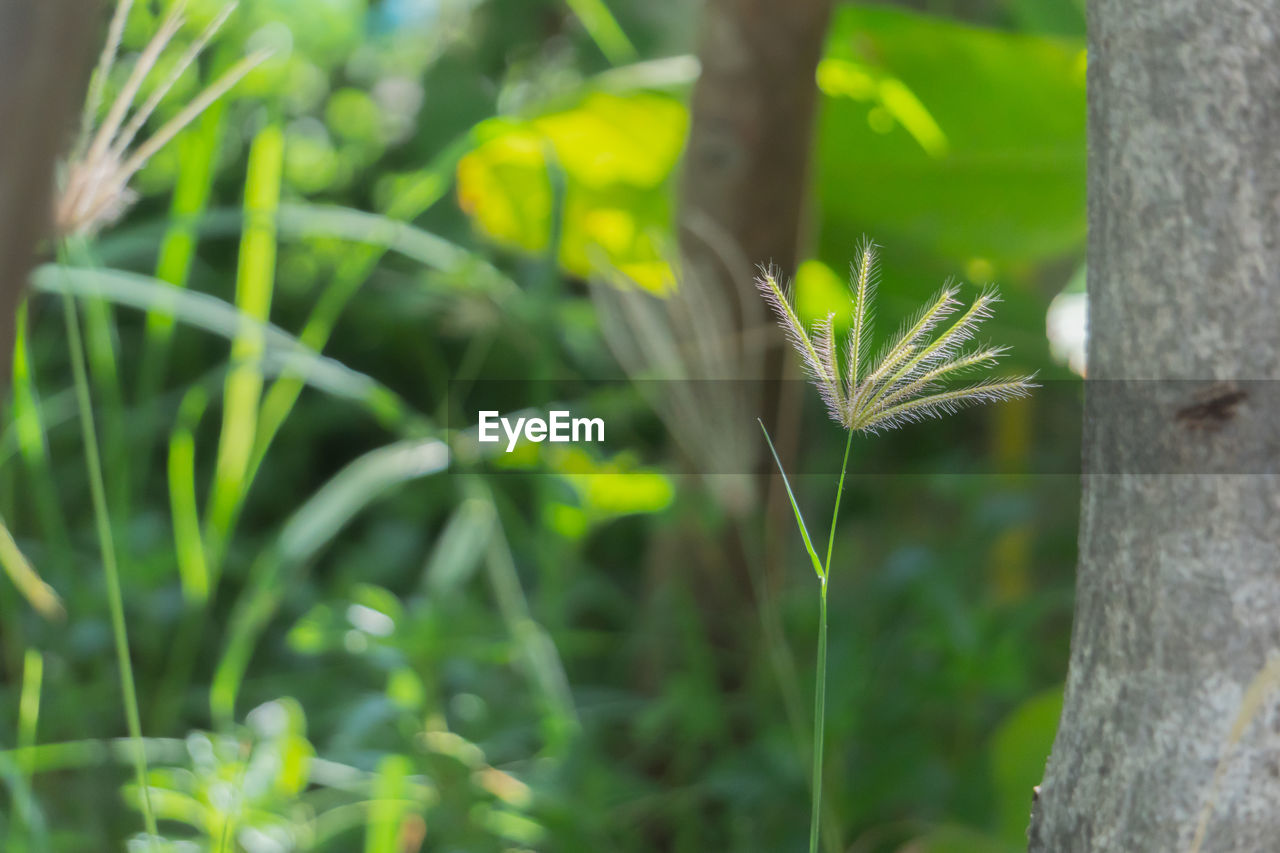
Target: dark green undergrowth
349 631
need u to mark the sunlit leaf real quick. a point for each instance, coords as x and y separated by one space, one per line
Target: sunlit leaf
617 154
820 291
968 141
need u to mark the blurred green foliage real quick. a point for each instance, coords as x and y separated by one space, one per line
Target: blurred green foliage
343 646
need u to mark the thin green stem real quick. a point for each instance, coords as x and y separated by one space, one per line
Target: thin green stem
795 508
820 690
819 723
115 600
835 513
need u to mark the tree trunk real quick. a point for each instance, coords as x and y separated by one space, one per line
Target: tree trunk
1178 595
745 180
746 165
45 53
744 184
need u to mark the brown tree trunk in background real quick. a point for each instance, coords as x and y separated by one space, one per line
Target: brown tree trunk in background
45 54
745 182
746 168
1178 596
747 161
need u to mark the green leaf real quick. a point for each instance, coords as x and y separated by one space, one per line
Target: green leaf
617 154
193 570
282 351
392 802
603 28
968 141
326 512
1019 750
311 528
965 141
819 292
38 594
255 287
460 547
804 531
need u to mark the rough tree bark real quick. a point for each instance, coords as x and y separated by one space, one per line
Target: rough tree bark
1178 595
45 51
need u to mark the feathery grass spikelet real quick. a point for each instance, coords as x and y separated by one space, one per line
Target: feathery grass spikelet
906 382
819 365
864 275
95 189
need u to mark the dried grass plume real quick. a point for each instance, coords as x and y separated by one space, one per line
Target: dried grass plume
95 189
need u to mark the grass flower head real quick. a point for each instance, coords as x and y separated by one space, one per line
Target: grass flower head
911 378
95 189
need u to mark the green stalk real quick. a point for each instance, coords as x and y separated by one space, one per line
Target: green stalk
29 703
32 443
197 161
242 391
38 594
604 30
28 719
820 691
819 723
115 600
835 513
101 344
823 571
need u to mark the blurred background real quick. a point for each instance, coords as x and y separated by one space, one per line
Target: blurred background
352 628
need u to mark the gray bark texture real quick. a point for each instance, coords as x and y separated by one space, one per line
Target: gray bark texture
45 54
1170 739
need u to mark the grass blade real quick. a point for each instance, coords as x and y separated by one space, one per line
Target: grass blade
193 569
197 156
255 280
106 546
308 531
392 801
29 701
804 531
604 30
101 347
33 445
819 723
283 351
26 813
377 233
541 658
39 594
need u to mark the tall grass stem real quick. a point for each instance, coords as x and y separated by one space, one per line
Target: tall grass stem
819 723
820 690
106 544
242 394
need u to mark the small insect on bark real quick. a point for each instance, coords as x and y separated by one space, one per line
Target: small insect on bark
1213 413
